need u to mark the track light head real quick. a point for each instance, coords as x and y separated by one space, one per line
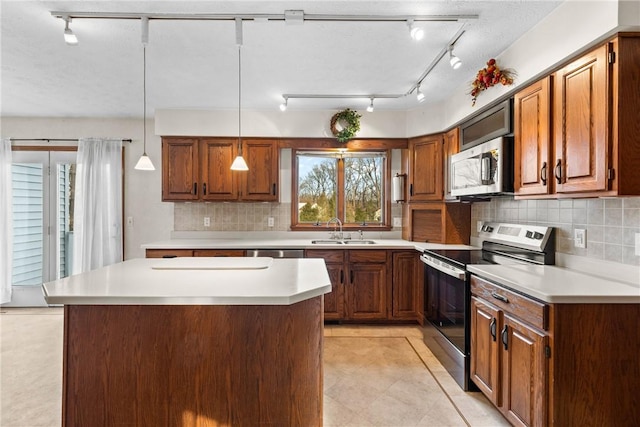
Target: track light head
419 94
69 37
454 61
417 33
285 104
370 107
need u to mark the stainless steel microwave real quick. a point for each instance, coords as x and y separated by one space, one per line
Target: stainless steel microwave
483 170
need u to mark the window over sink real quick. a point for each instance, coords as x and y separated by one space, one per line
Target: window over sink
348 185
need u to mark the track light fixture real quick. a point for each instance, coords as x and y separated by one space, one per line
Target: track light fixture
417 33
454 61
419 94
285 104
370 107
69 37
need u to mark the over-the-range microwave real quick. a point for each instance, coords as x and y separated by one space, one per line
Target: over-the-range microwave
483 170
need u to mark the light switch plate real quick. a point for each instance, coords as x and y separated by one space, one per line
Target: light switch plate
637 244
397 221
207 221
580 238
479 226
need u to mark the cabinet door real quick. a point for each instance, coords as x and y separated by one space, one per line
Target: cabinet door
260 182
180 169
485 349
425 168
334 301
366 288
407 286
532 161
451 147
218 181
581 105
524 374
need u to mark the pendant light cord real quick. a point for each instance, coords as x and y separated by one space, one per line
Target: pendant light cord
144 99
239 101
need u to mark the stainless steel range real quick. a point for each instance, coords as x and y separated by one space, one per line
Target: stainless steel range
447 293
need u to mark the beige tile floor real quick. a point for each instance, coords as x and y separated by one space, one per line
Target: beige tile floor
373 376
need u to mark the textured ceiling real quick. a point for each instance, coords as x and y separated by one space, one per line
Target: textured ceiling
194 64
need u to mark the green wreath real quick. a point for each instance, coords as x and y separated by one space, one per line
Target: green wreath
350 123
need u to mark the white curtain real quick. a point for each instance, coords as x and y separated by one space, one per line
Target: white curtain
98 204
6 223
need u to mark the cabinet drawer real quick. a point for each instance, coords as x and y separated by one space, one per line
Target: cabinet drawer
168 253
533 312
328 256
219 252
367 256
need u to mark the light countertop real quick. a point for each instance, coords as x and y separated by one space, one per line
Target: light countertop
554 284
157 281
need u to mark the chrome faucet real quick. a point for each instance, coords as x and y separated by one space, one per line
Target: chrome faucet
335 235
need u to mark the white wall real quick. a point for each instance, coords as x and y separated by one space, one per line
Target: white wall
153 219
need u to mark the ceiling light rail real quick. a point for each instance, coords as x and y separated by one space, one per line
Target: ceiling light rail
54 140
264 16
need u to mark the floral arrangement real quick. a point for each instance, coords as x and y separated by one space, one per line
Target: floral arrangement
349 120
489 76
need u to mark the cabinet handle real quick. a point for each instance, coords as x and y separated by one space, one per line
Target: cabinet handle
351 276
204 188
543 173
504 335
411 189
341 276
492 328
558 171
500 297
195 188
274 188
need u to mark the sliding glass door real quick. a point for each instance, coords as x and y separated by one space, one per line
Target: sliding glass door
43 195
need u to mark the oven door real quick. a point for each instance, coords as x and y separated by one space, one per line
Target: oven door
446 311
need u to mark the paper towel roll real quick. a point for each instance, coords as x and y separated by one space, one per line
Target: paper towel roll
397 189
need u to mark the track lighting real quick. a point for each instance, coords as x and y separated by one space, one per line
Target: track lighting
370 107
144 163
69 37
419 94
417 33
454 60
285 104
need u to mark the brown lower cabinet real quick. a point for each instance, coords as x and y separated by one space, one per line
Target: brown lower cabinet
173 253
546 364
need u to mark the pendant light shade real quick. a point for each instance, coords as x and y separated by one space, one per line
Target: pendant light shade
239 164
144 163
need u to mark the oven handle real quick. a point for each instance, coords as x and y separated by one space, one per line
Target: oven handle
458 274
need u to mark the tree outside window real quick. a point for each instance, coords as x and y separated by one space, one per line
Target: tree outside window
349 186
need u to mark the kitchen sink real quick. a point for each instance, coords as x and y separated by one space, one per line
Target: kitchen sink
342 242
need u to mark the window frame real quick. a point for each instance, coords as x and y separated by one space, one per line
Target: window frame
386 202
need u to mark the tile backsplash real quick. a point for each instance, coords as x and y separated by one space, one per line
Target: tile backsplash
238 216
611 224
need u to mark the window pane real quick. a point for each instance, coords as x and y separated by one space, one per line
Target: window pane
363 189
317 182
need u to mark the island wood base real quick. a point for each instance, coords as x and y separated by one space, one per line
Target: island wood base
207 365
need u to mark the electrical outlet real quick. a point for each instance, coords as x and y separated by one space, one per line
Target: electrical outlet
580 238
130 221
637 244
397 221
478 226
270 221
207 221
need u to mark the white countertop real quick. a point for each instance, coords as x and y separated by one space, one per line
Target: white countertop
560 285
140 281
289 243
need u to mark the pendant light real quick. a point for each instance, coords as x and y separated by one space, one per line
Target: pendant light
239 164
144 163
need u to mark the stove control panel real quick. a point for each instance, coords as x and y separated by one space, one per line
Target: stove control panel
529 236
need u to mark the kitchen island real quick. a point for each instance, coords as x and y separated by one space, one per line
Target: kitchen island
193 342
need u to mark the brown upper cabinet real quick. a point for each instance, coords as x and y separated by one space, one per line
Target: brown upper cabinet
424 166
199 169
582 121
